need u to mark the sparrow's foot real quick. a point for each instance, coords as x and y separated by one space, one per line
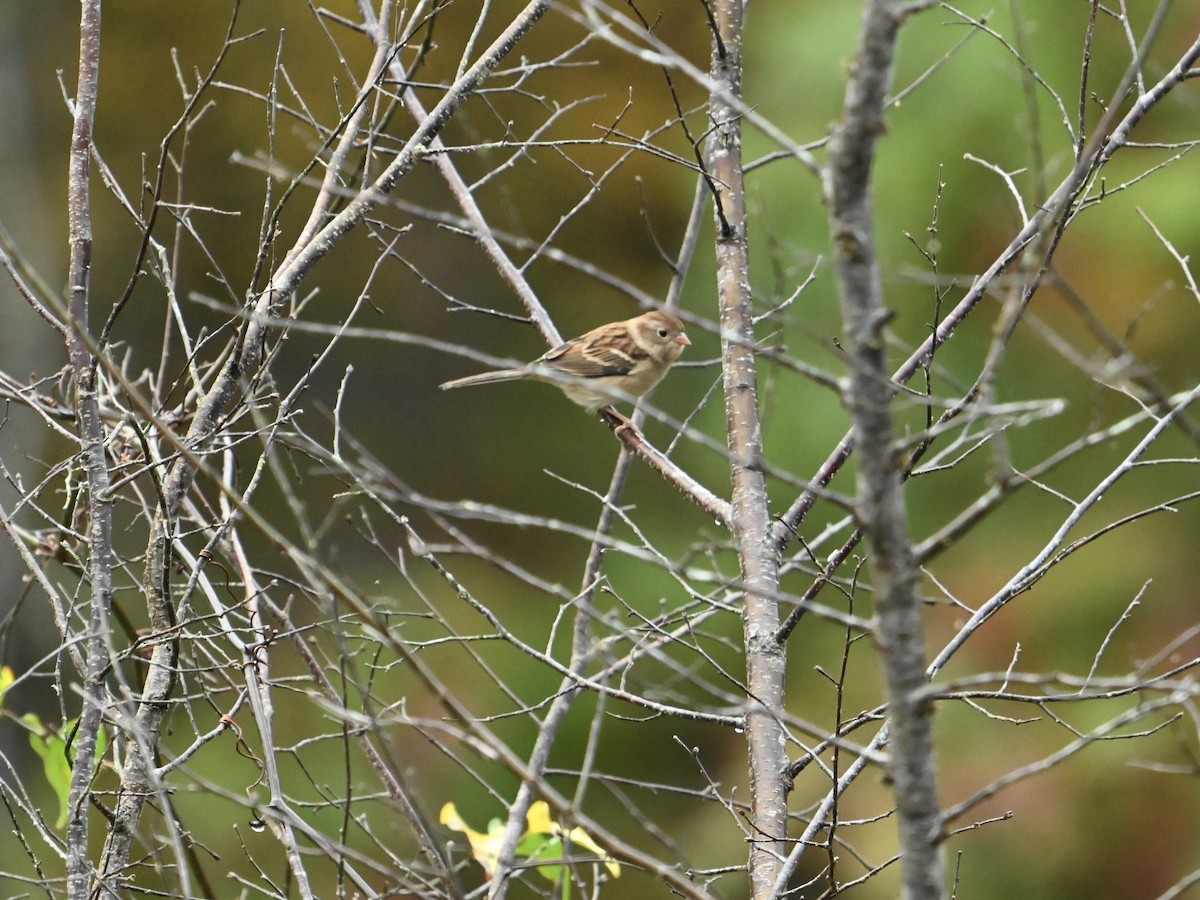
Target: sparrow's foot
621 425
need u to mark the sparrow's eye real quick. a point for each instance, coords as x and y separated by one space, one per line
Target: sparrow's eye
662 333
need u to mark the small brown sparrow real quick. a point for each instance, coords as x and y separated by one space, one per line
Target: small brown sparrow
613 362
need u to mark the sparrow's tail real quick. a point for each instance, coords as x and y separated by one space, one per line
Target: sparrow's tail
485 378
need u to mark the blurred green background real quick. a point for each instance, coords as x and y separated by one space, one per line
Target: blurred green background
1101 825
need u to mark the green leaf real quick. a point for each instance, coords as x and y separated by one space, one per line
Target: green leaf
51 746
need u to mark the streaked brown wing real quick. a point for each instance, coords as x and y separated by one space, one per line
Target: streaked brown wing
590 359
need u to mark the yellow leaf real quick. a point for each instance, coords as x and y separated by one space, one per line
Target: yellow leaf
581 838
6 680
538 820
484 847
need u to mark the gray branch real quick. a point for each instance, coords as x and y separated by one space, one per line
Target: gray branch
881 503
750 516
91 432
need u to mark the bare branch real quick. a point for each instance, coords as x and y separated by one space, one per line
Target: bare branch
881 506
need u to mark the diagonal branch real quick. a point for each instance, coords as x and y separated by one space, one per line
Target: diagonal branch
140 784
1112 134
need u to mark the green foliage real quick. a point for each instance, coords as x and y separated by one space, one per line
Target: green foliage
54 749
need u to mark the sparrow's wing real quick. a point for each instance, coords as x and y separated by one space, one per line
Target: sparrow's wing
592 357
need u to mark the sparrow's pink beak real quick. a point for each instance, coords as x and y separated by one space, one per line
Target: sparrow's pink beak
683 339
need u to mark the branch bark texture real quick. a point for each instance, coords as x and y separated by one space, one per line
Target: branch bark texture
95 463
750 518
880 503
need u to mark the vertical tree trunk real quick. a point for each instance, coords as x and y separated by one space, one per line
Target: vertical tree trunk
880 503
750 519
95 464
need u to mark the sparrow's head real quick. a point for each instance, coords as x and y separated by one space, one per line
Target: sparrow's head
660 333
